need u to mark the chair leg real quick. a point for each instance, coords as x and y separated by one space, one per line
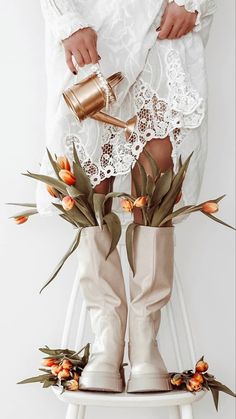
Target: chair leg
72 411
186 411
174 412
82 411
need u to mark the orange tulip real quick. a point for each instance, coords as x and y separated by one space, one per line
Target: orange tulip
201 366
49 362
176 380
193 385
66 364
198 377
21 220
55 369
127 205
68 203
63 163
52 191
210 207
63 374
72 385
67 177
141 202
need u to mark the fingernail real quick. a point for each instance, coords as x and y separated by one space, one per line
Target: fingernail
99 57
75 73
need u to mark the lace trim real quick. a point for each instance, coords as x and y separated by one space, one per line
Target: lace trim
157 118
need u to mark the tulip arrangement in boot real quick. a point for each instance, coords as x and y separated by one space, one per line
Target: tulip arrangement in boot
150 249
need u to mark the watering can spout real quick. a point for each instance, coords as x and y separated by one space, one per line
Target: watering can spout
128 126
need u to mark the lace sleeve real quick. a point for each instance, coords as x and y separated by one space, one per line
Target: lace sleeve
63 17
203 7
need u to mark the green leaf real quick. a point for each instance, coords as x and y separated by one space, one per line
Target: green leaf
136 185
150 185
76 157
54 164
154 167
49 383
68 219
114 226
162 187
59 185
143 178
82 180
215 395
38 379
129 244
98 202
221 387
118 195
218 220
26 213
74 215
181 211
84 210
72 248
73 192
22 205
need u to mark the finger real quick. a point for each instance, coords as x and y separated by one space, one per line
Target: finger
69 62
93 54
174 31
184 30
166 29
85 54
78 58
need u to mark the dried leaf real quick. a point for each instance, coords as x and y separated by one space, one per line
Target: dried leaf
136 185
221 387
26 213
181 211
150 185
38 379
22 205
98 202
72 248
154 167
218 220
75 215
54 164
114 226
73 192
162 187
215 395
59 185
143 178
129 244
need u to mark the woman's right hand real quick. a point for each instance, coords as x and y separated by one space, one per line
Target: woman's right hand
82 45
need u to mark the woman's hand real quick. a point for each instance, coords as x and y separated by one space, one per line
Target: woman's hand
176 22
82 45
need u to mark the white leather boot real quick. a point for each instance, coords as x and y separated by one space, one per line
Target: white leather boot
150 290
103 288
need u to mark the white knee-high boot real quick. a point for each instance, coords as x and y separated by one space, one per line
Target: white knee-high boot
103 288
150 290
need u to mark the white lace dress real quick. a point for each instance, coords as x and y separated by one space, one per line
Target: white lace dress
165 85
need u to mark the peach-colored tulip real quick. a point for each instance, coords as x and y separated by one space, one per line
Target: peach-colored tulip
68 203
63 163
67 177
49 362
141 202
198 377
201 366
66 364
64 374
72 385
127 205
193 385
55 369
21 220
176 380
52 191
210 207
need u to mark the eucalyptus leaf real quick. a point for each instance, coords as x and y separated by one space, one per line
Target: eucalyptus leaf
98 202
114 226
72 248
129 244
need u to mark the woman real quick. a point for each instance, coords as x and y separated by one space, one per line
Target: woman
159 47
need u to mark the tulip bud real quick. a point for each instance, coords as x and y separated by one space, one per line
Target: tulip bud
68 203
176 380
49 362
141 202
193 385
127 205
198 377
63 374
21 220
52 191
67 177
72 385
210 207
63 163
201 366
55 369
66 364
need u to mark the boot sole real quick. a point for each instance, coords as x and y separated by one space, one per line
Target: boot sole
104 382
146 383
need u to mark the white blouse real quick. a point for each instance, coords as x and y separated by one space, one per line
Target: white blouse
165 86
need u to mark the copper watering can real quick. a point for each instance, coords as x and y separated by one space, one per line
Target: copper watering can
87 98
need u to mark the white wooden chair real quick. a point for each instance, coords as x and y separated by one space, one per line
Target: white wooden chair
179 403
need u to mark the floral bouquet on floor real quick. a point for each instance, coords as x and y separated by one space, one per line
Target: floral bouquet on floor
78 204
157 197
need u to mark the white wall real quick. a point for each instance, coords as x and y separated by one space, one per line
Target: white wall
205 250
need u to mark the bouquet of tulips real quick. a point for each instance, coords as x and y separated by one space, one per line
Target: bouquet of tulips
198 380
78 204
62 368
157 197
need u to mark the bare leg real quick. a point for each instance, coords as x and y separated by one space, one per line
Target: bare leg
160 150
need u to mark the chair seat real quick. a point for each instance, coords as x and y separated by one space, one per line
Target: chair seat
85 398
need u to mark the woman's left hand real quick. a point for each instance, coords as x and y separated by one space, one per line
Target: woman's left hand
176 22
